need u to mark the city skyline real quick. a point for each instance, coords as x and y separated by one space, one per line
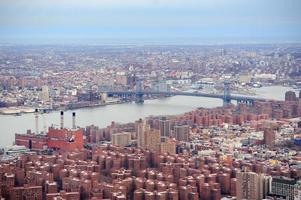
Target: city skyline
149 22
150 99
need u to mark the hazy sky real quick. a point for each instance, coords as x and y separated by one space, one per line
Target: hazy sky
156 20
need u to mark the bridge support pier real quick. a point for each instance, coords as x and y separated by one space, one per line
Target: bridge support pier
139 93
227 95
139 98
226 102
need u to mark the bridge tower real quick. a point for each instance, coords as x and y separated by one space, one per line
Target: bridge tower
139 94
227 94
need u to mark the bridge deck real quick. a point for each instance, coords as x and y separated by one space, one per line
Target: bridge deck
196 94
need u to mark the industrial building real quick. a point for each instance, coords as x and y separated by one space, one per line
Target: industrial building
56 138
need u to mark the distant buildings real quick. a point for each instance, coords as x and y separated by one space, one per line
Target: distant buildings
44 95
269 137
164 126
76 81
140 127
181 132
206 154
151 138
167 146
121 139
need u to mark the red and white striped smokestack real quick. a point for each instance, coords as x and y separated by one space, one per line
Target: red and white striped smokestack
62 119
37 120
73 120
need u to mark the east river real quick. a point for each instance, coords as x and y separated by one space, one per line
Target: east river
129 112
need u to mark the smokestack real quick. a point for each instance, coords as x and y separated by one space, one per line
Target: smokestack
36 112
44 121
62 119
73 120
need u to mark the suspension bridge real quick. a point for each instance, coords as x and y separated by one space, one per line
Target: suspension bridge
226 96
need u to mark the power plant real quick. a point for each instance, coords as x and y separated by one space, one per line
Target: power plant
58 139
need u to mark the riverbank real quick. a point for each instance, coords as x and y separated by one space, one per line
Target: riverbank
16 110
26 110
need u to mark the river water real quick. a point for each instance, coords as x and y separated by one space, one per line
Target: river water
129 112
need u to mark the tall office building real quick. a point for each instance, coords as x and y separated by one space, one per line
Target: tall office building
152 139
181 132
140 127
251 186
164 126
